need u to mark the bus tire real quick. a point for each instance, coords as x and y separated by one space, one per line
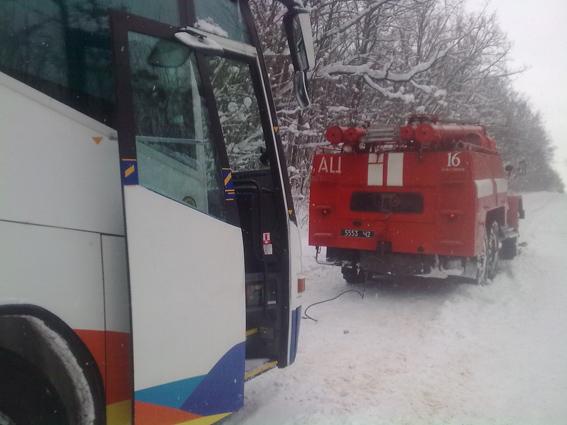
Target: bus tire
56 379
26 395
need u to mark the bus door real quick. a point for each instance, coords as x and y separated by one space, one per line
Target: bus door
185 250
247 128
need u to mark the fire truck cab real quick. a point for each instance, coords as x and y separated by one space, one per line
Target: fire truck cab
427 198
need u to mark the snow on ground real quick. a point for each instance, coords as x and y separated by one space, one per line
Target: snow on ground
432 352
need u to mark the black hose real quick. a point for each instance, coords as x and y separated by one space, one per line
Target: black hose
307 316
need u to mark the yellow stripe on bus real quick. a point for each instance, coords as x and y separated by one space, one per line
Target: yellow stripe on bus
129 171
205 420
119 413
251 332
228 178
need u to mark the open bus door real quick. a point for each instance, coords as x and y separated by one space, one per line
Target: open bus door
208 249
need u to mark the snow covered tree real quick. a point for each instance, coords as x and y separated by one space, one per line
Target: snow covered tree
379 60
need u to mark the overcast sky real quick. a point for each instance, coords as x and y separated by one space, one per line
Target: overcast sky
538 32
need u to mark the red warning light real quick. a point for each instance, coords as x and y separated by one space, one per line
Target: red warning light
407 133
353 135
335 134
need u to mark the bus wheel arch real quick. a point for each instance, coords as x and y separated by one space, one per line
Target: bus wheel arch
39 343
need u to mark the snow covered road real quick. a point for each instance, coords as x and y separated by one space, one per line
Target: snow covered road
432 352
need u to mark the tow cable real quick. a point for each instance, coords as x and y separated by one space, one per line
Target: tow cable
307 316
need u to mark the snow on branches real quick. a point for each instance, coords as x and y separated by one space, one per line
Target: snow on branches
379 60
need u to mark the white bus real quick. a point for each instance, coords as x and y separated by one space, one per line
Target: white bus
148 244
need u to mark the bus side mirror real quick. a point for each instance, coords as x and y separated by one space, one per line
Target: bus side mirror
297 24
509 168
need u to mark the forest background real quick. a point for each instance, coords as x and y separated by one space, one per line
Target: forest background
378 61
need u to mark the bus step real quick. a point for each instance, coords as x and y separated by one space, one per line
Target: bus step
256 367
251 332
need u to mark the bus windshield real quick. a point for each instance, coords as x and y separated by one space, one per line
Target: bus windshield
64 48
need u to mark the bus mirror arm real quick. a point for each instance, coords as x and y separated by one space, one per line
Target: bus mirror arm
168 54
199 41
301 89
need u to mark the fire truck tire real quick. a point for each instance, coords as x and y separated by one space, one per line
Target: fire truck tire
509 249
481 262
353 275
492 249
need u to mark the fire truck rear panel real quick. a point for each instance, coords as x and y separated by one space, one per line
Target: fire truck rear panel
406 202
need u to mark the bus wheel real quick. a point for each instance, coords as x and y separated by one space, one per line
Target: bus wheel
353 274
26 395
492 250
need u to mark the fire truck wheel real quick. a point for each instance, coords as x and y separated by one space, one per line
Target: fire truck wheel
492 250
353 274
481 262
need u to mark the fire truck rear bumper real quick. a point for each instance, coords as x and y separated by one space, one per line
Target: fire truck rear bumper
397 264
400 264
426 265
417 265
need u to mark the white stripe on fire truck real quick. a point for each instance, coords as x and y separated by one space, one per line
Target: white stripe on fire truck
501 185
395 169
375 169
484 187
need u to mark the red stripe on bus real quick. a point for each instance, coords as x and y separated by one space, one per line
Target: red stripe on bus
111 351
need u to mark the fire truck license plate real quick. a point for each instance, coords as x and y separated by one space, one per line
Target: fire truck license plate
357 233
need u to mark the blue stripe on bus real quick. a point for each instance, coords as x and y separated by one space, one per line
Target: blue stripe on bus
172 394
220 391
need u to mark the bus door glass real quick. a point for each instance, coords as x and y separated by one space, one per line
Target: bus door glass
247 131
185 255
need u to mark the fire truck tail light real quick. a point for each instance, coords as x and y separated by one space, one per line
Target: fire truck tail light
335 134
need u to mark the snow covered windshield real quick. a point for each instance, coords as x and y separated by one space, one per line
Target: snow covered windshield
239 113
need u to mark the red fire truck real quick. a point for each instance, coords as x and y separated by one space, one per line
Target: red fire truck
428 198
